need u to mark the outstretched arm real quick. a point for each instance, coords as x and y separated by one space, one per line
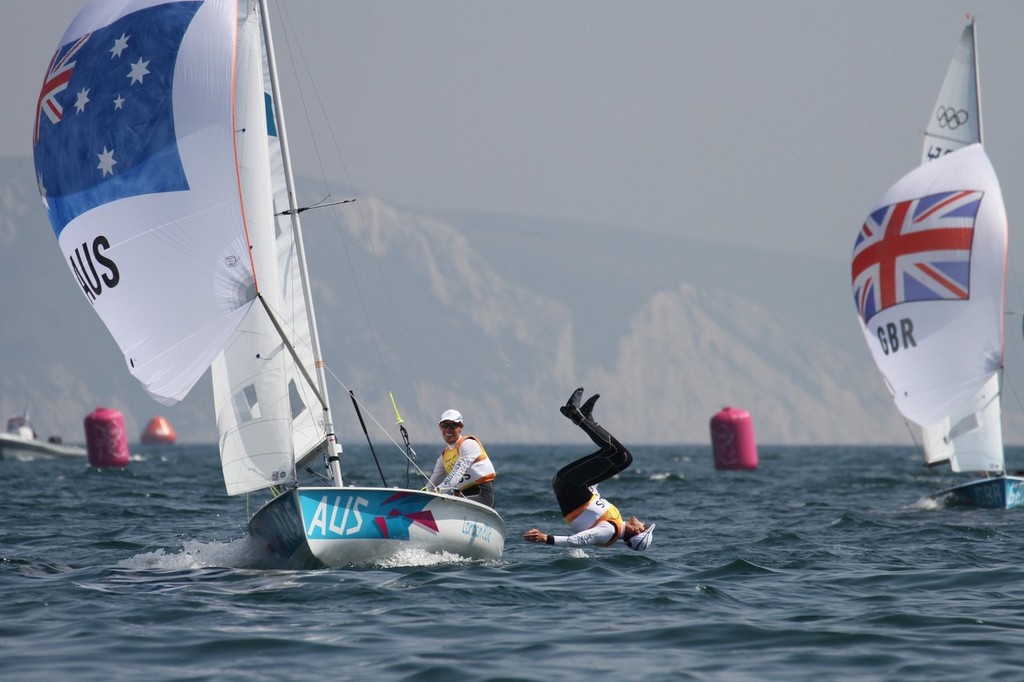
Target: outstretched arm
599 534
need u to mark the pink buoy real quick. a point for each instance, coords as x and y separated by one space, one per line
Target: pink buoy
732 439
106 439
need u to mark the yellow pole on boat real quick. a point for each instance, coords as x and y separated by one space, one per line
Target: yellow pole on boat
410 454
398 417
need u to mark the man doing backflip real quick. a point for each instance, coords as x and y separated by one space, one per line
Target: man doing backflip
593 519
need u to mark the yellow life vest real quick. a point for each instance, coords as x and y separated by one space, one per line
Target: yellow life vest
480 471
596 510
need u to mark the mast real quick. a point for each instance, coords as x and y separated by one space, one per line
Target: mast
977 80
321 377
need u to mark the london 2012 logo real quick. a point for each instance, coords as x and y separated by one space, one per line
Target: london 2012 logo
951 117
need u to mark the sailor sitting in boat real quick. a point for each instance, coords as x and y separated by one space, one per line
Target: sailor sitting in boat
463 469
594 519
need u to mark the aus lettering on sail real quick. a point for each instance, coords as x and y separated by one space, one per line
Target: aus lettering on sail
104 132
93 269
912 251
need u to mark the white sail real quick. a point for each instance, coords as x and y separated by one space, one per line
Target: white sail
955 121
928 279
256 395
262 400
150 224
306 427
173 234
971 438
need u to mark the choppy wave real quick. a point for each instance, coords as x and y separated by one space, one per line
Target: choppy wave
825 563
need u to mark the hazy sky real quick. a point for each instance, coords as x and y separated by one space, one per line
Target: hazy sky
775 124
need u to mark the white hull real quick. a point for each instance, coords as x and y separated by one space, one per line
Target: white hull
16 447
340 527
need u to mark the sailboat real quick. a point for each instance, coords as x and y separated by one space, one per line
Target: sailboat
928 274
162 161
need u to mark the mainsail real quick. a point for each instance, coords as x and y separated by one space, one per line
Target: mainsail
955 121
262 400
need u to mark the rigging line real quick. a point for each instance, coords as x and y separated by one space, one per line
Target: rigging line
407 451
1012 386
1006 382
279 326
303 387
288 31
362 217
291 349
359 413
299 56
310 385
410 455
323 203
400 330
1015 348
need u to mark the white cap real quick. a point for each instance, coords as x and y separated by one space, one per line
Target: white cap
643 539
450 416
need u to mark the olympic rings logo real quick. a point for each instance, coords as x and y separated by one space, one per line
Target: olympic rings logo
950 117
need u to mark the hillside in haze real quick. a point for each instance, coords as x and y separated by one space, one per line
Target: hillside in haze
499 316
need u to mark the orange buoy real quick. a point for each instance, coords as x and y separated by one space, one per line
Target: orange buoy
158 432
106 439
732 439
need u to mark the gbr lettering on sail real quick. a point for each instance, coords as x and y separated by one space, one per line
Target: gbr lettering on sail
894 337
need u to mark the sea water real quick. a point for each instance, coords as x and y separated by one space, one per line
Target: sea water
825 563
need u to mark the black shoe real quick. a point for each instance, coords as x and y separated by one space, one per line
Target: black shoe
588 407
571 409
574 399
573 413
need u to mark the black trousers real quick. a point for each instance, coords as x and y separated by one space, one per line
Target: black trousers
571 483
482 493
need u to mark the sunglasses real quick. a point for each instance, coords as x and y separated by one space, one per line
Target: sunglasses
450 425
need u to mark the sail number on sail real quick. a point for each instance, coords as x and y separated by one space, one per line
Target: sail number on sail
84 266
893 338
